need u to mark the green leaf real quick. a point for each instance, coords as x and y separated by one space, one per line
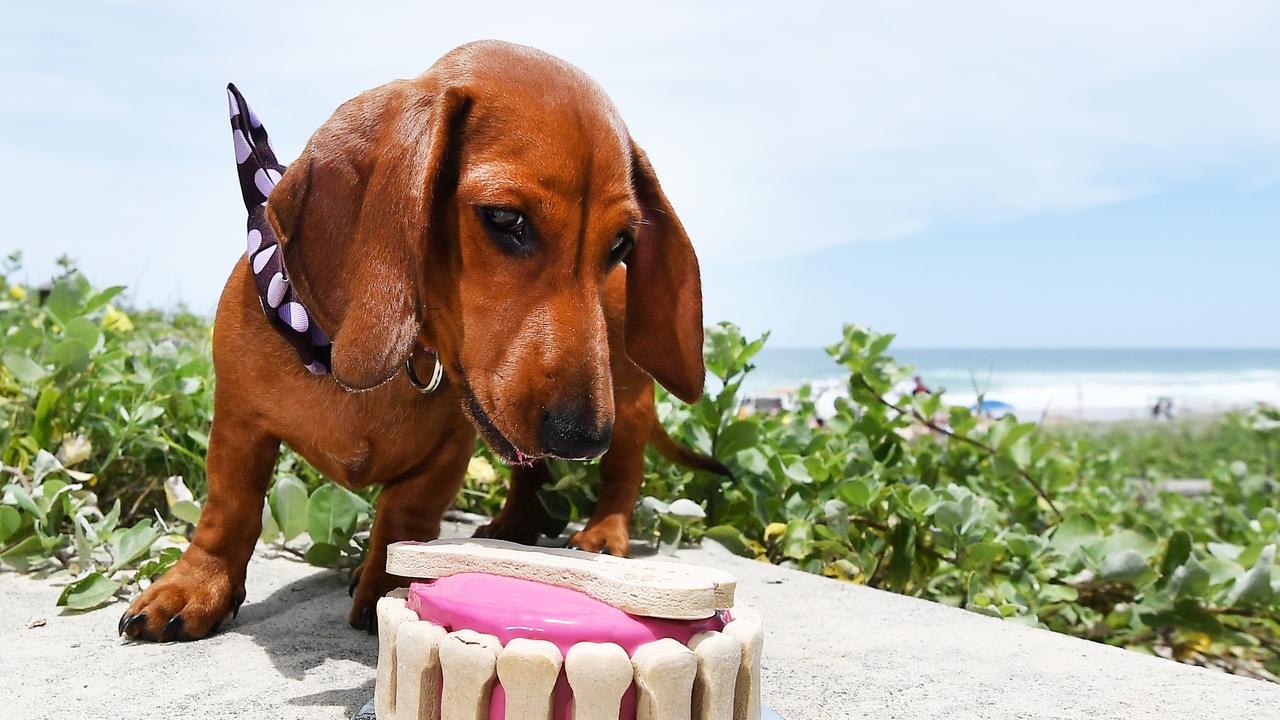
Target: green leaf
270 531
331 514
102 298
23 367
1176 553
1059 593
1221 570
64 300
1075 531
289 506
670 533
108 523
42 426
1020 453
1254 587
1190 580
89 592
83 331
131 544
1122 565
24 501
71 356
836 513
738 435
159 564
982 554
323 554
1144 543
186 510
753 461
903 541
10 521
856 492
949 515
796 539
19 554
921 498
1226 551
731 538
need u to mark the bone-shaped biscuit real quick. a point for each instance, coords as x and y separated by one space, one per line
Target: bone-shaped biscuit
467 662
665 672
417 676
599 674
391 612
719 657
528 670
747 630
645 588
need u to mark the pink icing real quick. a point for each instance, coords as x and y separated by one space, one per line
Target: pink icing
510 608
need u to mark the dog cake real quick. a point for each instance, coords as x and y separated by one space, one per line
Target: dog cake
499 631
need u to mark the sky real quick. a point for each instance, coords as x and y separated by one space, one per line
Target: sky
980 174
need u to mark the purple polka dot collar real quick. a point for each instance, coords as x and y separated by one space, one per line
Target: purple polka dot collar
259 172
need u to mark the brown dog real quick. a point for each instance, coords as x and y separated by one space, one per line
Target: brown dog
481 209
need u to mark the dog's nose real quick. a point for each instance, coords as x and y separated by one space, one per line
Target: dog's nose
573 434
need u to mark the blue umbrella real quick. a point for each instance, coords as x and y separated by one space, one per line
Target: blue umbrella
991 407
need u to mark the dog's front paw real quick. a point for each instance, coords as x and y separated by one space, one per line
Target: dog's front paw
370 583
188 603
507 526
610 535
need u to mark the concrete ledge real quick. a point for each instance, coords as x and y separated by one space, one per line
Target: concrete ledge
832 651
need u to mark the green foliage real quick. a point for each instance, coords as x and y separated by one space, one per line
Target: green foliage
101 408
1055 529
1064 529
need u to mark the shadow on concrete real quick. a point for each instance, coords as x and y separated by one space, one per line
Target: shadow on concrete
302 626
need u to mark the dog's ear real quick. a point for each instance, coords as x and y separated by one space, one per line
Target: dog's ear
352 215
664 291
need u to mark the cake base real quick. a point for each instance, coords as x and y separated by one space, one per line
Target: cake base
366 713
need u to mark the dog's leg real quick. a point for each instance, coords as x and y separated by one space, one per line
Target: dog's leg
522 517
408 509
207 582
621 474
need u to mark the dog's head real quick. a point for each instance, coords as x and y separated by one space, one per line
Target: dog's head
479 209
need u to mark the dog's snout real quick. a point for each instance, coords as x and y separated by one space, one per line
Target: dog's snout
574 433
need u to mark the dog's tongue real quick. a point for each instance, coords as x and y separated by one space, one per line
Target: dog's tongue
510 608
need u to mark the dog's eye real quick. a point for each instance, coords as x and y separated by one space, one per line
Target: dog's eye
509 229
504 219
621 248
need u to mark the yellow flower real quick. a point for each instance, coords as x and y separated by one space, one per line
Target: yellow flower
17 292
479 470
116 320
773 530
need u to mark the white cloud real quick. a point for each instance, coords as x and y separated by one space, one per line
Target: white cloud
777 128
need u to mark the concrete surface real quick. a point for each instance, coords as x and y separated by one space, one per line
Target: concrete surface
832 651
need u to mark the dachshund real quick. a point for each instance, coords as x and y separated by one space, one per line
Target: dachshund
490 224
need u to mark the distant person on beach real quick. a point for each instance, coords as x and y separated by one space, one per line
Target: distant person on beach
1163 408
920 387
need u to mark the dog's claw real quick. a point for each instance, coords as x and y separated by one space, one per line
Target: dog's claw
123 619
366 616
235 608
134 621
175 629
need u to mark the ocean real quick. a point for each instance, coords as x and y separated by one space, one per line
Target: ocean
1065 384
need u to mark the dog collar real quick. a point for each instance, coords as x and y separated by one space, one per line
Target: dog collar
259 171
